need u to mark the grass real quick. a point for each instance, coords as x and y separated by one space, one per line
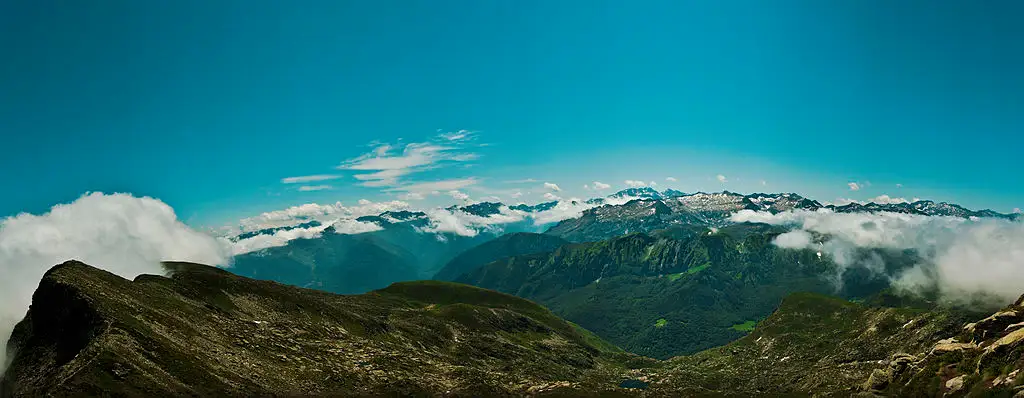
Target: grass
661 323
747 326
699 268
690 271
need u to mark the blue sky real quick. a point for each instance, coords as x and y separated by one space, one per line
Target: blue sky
209 105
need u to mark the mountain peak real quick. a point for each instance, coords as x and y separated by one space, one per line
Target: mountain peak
641 192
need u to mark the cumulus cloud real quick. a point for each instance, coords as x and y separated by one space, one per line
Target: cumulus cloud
278 238
899 185
305 179
600 185
120 233
310 188
1016 210
282 237
516 195
464 224
552 186
564 210
653 184
721 178
798 239
635 183
551 196
963 259
457 195
854 186
316 212
671 179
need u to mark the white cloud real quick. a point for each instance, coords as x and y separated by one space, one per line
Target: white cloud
282 237
457 195
565 209
844 202
635 183
465 224
653 184
305 179
899 185
854 186
763 183
886 199
961 258
1016 210
516 195
460 135
600 185
364 202
312 211
411 196
443 185
671 179
386 169
797 239
523 181
382 178
721 178
120 233
279 238
310 188
552 186
551 196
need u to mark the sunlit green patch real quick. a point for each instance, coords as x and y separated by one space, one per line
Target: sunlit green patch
747 326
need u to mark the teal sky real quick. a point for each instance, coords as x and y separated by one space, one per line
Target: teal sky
208 105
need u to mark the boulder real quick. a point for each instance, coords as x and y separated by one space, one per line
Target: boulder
955 384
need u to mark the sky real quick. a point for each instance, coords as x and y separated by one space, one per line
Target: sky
227 109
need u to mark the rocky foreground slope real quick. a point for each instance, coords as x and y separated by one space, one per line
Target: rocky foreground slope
206 332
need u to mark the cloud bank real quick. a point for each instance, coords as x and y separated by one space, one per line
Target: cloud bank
296 215
962 259
119 233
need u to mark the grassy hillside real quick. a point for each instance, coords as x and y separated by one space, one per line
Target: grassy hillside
660 295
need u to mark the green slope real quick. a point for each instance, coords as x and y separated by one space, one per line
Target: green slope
702 284
507 245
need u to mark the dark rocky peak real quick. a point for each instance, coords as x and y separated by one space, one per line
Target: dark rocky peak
534 208
482 209
395 217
